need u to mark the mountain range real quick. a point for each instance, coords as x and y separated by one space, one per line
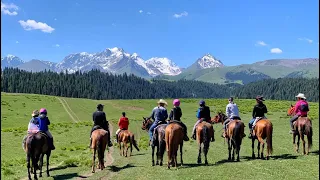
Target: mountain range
206 68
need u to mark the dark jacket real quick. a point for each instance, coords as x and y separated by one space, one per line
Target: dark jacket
175 114
259 110
99 118
204 112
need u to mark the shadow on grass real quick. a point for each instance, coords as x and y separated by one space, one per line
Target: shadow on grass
314 152
67 176
117 169
139 154
192 165
284 156
58 168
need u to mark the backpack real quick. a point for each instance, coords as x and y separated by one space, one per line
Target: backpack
304 106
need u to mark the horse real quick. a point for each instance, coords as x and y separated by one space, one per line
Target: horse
159 142
174 139
36 147
234 134
302 126
99 143
125 137
204 133
262 130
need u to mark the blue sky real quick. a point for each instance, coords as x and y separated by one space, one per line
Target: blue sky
235 31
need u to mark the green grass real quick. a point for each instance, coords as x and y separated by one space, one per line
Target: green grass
72 159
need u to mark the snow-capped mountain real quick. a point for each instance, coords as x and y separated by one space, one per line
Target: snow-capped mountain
163 66
10 61
208 61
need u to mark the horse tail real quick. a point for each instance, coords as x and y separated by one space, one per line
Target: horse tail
99 149
205 138
237 135
269 131
134 142
309 132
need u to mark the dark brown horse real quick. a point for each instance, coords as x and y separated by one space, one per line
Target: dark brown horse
302 126
36 147
99 143
204 133
125 137
174 139
234 134
263 130
159 140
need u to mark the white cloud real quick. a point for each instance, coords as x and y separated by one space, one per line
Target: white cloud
55 19
140 11
261 43
180 15
306 39
57 45
276 51
17 42
148 13
34 25
9 9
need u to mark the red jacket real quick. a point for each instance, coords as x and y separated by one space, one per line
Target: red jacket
123 123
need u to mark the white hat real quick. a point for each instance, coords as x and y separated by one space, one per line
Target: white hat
300 95
161 101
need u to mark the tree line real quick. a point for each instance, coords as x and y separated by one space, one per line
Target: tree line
99 85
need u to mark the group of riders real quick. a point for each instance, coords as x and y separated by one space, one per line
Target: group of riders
40 121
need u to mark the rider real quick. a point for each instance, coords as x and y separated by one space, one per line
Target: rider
123 124
33 126
301 109
232 112
100 121
259 110
175 114
44 122
159 115
203 114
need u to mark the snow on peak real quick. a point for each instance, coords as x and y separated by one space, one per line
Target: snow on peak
10 56
208 61
162 66
134 55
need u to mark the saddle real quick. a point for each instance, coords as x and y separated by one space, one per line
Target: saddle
294 123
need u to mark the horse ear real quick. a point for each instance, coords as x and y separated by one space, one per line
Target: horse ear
291 105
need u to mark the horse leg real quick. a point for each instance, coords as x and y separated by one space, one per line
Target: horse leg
152 155
120 148
169 157
41 164
199 154
229 149
158 154
298 143
205 151
258 149
181 146
28 165
35 162
93 159
262 157
131 146
303 143
233 149
252 146
48 157
126 147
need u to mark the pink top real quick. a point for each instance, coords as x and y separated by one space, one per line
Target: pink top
297 108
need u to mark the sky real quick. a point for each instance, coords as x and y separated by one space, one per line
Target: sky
235 32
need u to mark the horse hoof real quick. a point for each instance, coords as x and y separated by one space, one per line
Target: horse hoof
268 157
238 160
92 171
160 163
253 156
206 163
157 163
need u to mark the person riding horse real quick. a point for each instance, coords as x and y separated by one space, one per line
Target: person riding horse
100 122
159 114
123 124
259 111
232 113
175 116
33 126
203 114
44 122
301 108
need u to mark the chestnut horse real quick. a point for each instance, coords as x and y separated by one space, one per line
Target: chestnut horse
126 137
263 130
36 147
174 138
302 126
159 142
204 133
99 143
234 134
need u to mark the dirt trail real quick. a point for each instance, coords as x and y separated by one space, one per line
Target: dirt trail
66 109
75 115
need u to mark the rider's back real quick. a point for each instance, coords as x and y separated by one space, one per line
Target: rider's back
99 118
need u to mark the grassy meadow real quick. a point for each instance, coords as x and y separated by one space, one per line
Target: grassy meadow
71 121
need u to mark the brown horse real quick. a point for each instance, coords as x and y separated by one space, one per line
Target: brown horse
234 134
159 142
263 130
99 143
126 137
302 126
174 138
36 147
204 133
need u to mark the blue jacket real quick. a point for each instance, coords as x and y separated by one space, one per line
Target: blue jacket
43 124
159 114
204 112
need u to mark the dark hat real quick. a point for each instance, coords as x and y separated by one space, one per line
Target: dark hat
123 113
100 106
202 102
260 98
230 99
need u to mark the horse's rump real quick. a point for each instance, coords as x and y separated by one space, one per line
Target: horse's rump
159 133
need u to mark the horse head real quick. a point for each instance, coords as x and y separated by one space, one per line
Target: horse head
220 117
290 111
146 123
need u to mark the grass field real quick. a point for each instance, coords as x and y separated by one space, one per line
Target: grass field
72 120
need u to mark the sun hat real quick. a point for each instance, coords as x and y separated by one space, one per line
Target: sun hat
35 113
161 101
300 95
